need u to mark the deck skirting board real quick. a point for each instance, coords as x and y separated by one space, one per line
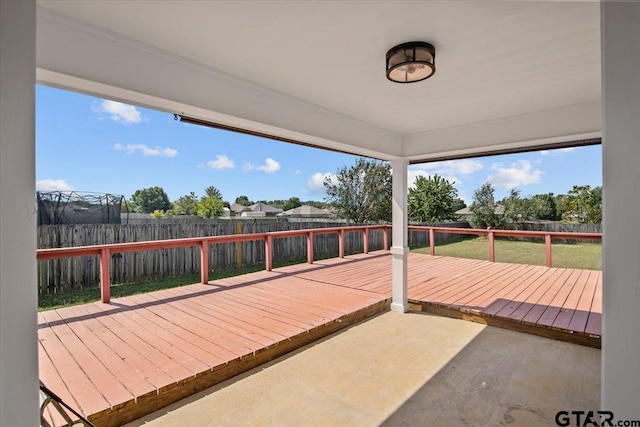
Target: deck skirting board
568 336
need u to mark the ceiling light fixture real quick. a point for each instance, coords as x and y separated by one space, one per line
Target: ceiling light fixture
411 62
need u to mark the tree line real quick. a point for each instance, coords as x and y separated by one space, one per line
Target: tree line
580 205
362 193
154 200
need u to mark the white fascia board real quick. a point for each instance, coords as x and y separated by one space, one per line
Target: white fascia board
578 122
76 56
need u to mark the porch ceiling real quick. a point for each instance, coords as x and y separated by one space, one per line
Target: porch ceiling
509 74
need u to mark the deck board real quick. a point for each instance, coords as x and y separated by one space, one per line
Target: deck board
552 310
594 323
563 320
120 360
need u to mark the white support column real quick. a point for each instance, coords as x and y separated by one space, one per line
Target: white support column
400 246
18 293
620 32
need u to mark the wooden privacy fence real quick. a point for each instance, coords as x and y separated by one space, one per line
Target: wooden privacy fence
555 227
105 252
491 234
84 271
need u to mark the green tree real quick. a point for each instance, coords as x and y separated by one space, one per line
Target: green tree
582 204
432 199
543 206
185 205
212 191
148 200
459 204
484 208
292 203
209 207
516 209
363 192
243 200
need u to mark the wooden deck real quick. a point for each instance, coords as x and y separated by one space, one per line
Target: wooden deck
115 362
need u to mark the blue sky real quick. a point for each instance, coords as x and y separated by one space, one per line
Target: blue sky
85 143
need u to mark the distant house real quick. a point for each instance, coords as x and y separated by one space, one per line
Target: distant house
264 208
307 211
236 209
465 214
249 214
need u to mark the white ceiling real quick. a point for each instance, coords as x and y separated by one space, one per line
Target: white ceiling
509 74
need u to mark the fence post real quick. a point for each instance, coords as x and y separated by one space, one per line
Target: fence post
547 244
385 237
365 240
432 241
341 244
310 247
268 252
492 249
239 246
105 275
204 262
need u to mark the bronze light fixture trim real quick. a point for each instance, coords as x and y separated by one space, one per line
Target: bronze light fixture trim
411 62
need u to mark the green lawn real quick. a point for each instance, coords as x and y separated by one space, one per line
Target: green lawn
574 255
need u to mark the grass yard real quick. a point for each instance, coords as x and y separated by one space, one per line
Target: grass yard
572 255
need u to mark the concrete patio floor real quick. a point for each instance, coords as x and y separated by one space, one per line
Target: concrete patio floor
412 369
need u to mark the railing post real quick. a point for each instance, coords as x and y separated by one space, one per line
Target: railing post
341 244
204 262
268 252
385 237
547 244
365 240
105 275
432 241
310 247
492 249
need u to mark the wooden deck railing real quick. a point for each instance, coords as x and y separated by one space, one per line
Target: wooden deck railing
491 234
105 251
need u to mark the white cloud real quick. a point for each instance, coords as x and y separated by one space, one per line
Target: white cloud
556 152
147 151
515 175
296 171
221 162
450 167
270 166
413 174
118 112
53 185
315 184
